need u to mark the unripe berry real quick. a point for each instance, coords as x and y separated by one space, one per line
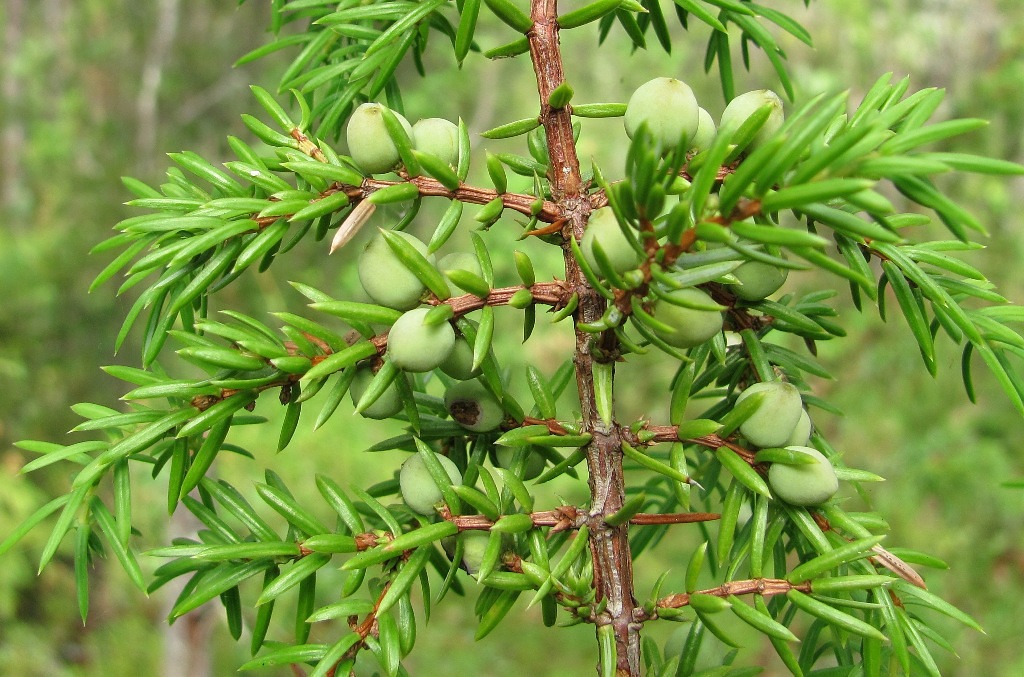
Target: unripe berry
369 143
604 229
774 421
706 131
473 406
802 432
459 363
415 346
385 278
758 280
745 105
474 546
438 137
805 484
669 109
691 326
459 261
419 491
535 462
386 406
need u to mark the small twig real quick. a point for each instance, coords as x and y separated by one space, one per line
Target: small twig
753 586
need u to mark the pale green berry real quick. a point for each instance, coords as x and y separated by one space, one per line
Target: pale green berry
386 406
706 131
535 461
473 406
416 346
690 326
369 143
603 228
438 137
758 280
669 109
419 491
459 363
775 419
805 484
459 261
474 547
802 432
745 105
385 278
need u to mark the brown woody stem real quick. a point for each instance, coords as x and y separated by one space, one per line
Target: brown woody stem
609 546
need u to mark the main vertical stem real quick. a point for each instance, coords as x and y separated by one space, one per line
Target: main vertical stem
609 546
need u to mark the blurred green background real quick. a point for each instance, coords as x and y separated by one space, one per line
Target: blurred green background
91 90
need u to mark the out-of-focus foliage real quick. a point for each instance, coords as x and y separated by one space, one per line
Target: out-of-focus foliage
80 69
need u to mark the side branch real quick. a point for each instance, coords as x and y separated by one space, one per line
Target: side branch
518 202
753 586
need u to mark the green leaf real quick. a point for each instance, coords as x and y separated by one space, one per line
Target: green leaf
317 208
82 560
417 264
978 164
603 374
782 648
407 575
912 594
204 456
339 360
341 504
515 523
833 616
653 464
586 14
729 519
818 191
761 621
843 584
785 456
478 500
439 169
286 506
742 471
511 129
235 503
268 550
467 27
913 312
484 335
830 560
628 510
849 224
512 16
213 583
903 142
399 192
349 607
324 170
694 566
701 12
295 574
32 521
560 96
599 110
223 358
53 454
290 655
